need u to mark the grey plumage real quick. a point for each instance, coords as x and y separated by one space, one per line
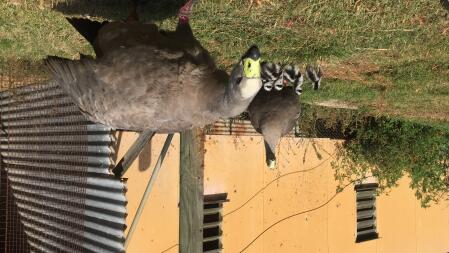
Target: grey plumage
274 114
145 79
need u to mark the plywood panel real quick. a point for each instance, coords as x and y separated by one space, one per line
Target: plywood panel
299 184
158 226
432 228
235 165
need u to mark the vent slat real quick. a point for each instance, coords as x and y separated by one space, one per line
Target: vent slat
212 220
212 210
366 212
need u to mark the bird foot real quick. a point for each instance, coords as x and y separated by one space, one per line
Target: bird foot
271 164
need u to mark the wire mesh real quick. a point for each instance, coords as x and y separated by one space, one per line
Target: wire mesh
308 125
60 195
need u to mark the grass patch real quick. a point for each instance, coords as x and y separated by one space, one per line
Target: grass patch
388 57
386 148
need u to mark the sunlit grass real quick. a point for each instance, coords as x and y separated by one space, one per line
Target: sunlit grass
389 57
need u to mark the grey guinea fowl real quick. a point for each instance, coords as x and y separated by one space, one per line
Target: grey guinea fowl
144 79
274 113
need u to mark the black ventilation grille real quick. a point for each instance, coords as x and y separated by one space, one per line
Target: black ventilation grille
366 212
212 232
57 165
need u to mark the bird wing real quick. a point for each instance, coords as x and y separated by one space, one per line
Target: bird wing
133 88
75 77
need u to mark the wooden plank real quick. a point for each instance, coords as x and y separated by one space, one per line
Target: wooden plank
132 153
191 191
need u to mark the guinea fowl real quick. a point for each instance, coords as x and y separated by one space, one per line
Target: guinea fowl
271 74
292 75
274 113
313 76
145 79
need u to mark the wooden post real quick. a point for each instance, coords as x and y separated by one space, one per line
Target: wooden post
191 191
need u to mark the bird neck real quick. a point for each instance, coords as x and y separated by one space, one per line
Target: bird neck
237 97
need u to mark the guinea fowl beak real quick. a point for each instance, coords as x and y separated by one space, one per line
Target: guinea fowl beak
251 63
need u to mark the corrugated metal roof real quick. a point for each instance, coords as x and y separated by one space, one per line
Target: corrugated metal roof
57 165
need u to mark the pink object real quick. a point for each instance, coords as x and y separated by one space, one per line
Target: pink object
185 11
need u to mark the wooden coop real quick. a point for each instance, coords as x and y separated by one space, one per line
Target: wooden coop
213 192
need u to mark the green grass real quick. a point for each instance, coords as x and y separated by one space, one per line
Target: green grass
386 57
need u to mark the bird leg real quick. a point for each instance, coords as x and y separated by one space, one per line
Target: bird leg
270 156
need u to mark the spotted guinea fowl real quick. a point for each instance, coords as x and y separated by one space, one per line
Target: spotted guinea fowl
274 113
144 79
271 74
313 76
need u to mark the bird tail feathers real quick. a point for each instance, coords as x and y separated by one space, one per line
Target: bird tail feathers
71 75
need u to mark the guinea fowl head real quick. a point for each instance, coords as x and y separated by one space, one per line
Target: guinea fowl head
292 76
271 75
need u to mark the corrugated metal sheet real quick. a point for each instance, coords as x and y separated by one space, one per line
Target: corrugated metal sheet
57 165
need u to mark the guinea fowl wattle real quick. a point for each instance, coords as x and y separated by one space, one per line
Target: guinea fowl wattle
147 79
274 113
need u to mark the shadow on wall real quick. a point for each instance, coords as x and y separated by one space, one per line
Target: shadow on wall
117 9
145 157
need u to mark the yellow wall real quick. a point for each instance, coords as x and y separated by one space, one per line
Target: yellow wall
304 180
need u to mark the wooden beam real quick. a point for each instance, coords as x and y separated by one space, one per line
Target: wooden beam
191 191
132 153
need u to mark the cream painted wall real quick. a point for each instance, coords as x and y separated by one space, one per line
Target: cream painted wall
303 181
